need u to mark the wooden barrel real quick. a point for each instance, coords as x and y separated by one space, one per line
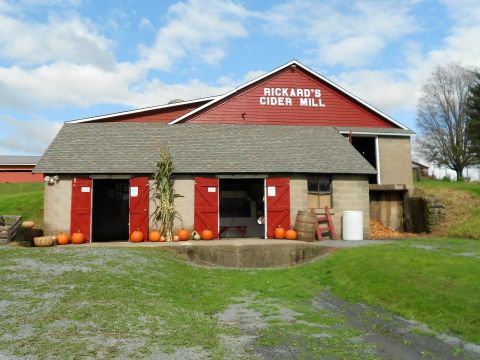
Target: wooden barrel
306 225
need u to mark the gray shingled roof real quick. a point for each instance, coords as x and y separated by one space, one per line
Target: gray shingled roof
109 148
18 160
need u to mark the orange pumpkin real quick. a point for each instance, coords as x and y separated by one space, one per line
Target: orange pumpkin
154 236
279 233
207 234
78 238
136 236
291 235
62 239
183 235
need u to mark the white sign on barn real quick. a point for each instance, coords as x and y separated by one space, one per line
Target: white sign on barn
288 96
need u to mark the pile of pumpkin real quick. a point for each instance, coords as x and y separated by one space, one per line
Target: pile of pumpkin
181 235
137 236
76 238
281 233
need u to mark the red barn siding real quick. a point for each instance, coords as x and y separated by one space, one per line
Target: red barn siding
159 115
339 110
18 173
17 176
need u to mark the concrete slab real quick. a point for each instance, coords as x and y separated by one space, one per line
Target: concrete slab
237 253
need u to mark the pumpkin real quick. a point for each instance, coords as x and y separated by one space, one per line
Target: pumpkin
176 238
154 236
279 233
62 239
162 239
207 234
136 236
183 235
78 238
196 236
291 235
28 224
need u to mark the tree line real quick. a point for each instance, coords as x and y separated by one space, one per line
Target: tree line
448 117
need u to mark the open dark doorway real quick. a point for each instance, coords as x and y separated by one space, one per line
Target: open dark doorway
242 208
110 210
367 147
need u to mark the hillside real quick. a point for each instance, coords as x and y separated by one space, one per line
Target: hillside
462 201
25 199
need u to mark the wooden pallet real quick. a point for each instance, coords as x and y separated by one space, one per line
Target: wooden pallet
9 225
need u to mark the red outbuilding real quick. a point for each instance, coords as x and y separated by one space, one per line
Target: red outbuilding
15 168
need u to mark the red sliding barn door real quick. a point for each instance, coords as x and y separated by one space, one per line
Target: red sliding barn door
81 208
206 205
139 197
278 204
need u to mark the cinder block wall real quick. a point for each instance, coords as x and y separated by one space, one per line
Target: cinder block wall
395 161
298 197
351 192
184 186
57 206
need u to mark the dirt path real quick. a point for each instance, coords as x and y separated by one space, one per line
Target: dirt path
342 331
394 337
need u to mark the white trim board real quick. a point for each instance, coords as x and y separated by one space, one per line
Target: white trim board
136 111
305 68
18 164
377 160
367 133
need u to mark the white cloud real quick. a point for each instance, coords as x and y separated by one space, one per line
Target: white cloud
197 28
157 92
27 136
72 39
253 74
381 89
350 36
145 24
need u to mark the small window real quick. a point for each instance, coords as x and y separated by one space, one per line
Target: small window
319 184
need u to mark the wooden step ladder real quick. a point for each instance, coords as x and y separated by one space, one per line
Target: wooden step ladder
325 225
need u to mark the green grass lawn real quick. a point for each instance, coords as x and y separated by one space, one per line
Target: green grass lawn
25 199
103 302
463 206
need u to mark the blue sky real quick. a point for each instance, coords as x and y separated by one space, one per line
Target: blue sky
64 60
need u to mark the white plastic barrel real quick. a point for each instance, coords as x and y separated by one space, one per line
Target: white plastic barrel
352 225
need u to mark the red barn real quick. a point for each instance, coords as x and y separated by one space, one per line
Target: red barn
15 168
289 140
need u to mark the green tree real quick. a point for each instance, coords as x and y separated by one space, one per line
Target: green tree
443 116
473 128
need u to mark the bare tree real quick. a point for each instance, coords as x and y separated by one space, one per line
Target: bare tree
443 118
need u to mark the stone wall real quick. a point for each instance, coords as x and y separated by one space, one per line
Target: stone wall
185 186
57 206
351 192
298 197
426 214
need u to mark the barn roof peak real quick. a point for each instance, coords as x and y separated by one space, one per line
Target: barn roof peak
292 64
